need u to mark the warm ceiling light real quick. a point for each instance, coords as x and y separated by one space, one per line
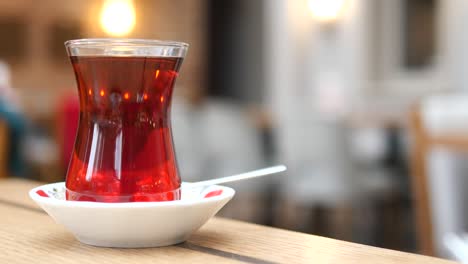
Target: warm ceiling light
118 17
326 11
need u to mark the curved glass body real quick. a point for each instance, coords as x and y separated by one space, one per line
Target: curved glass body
124 150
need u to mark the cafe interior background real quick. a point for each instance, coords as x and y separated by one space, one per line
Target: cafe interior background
364 100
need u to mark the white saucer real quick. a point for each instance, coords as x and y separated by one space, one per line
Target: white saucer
132 225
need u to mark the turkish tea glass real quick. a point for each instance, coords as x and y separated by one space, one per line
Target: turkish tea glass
124 150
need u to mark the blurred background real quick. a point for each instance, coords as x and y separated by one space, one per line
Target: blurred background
365 101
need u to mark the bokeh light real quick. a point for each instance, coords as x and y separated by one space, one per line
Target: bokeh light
118 17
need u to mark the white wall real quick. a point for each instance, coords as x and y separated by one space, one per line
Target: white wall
454 42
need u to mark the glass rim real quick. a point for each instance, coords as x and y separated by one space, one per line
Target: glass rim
129 42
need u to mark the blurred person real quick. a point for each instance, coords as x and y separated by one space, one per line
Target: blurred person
15 123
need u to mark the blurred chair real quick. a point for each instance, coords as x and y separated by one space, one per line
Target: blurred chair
215 138
323 174
439 128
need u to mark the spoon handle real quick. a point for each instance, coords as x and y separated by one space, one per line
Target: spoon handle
242 176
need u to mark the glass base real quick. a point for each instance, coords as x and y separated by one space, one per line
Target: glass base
136 197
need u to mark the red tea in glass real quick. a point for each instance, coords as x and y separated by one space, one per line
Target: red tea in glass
124 150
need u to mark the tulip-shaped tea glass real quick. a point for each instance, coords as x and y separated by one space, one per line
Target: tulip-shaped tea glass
124 150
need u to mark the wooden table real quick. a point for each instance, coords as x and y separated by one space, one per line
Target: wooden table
28 235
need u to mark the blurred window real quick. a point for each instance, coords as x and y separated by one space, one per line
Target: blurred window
419 32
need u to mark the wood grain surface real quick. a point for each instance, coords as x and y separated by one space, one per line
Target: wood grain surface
30 236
